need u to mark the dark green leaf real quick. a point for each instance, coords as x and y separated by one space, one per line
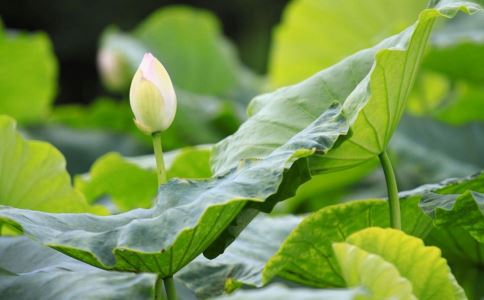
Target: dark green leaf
30 271
465 256
188 216
465 210
242 261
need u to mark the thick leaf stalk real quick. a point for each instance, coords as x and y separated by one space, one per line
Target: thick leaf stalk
170 288
158 295
392 189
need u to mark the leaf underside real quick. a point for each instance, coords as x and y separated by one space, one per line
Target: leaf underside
187 217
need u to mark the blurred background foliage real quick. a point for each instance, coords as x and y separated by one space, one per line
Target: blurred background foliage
66 68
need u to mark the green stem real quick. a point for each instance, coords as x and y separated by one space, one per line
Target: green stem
170 288
393 201
159 295
160 163
161 172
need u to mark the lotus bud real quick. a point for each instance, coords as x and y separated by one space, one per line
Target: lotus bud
113 69
152 96
117 59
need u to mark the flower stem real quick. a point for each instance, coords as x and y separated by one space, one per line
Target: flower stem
393 201
160 163
170 288
159 295
161 172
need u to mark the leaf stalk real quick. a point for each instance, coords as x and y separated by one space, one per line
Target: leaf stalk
159 295
392 190
170 288
162 178
160 163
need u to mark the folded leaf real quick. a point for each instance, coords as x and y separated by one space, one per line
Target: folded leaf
189 214
381 278
372 85
465 210
423 266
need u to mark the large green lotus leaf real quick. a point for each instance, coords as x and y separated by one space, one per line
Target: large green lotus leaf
306 256
372 86
381 278
201 60
465 256
280 292
309 245
457 203
423 266
242 262
132 182
188 215
457 49
28 76
316 34
33 175
453 210
30 271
